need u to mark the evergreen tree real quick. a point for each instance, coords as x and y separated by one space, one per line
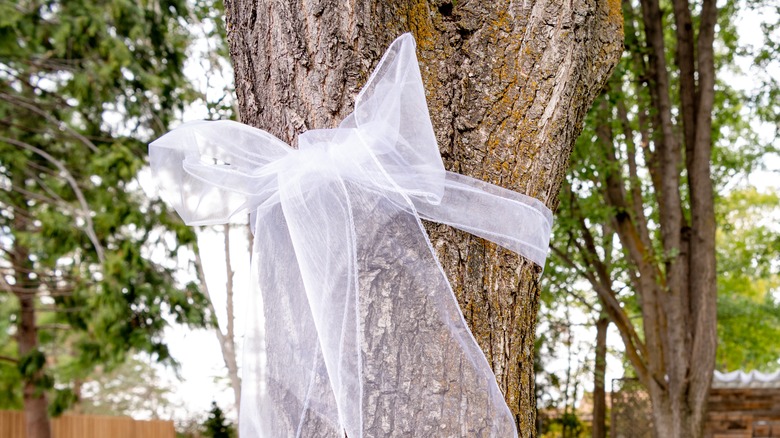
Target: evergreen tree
84 85
216 424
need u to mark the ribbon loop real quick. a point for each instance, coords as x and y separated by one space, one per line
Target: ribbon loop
353 326
207 178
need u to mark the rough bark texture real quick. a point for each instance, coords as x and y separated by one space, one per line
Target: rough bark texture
508 84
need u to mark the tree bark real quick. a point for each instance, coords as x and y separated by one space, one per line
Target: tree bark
689 286
508 84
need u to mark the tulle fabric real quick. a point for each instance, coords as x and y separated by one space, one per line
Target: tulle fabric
354 327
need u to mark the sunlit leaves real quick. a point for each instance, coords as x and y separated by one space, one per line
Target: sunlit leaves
749 280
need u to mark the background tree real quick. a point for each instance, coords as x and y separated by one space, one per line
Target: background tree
563 387
83 86
599 421
508 84
216 425
217 97
637 218
573 329
225 332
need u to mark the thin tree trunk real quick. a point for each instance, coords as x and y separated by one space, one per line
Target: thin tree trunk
599 429
565 433
508 84
226 339
35 403
230 337
702 310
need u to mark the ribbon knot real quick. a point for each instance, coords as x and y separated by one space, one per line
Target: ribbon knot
353 327
338 151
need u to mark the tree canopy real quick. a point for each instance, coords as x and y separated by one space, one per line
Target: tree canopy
86 257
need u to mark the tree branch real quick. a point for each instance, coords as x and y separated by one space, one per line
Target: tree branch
635 184
230 360
9 359
635 349
632 239
604 283
668 147
642 71
226 340
685 61
702 287
56 122
55 327
89 229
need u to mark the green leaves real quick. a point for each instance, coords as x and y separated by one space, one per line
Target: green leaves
615 176
31 364
747 330
748 280
84 85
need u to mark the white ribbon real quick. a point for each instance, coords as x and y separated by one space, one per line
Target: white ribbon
355 328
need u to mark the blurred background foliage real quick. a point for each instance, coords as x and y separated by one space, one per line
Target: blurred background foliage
746 175
89 263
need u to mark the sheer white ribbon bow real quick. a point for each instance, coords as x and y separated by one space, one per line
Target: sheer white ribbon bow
354 327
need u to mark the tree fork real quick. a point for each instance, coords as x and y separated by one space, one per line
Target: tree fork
508 85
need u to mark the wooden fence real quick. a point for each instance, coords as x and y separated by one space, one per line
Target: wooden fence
89 426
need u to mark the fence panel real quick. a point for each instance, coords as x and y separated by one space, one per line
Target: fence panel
89 426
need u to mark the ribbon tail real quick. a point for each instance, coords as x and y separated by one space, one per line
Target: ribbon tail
285 389
515 221
399 355
423 372
317 210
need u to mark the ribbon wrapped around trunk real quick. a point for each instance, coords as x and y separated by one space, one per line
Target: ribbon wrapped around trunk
353 327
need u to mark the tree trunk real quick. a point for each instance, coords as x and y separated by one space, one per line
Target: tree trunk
227 338
687 294
35 404
508 84
599 429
